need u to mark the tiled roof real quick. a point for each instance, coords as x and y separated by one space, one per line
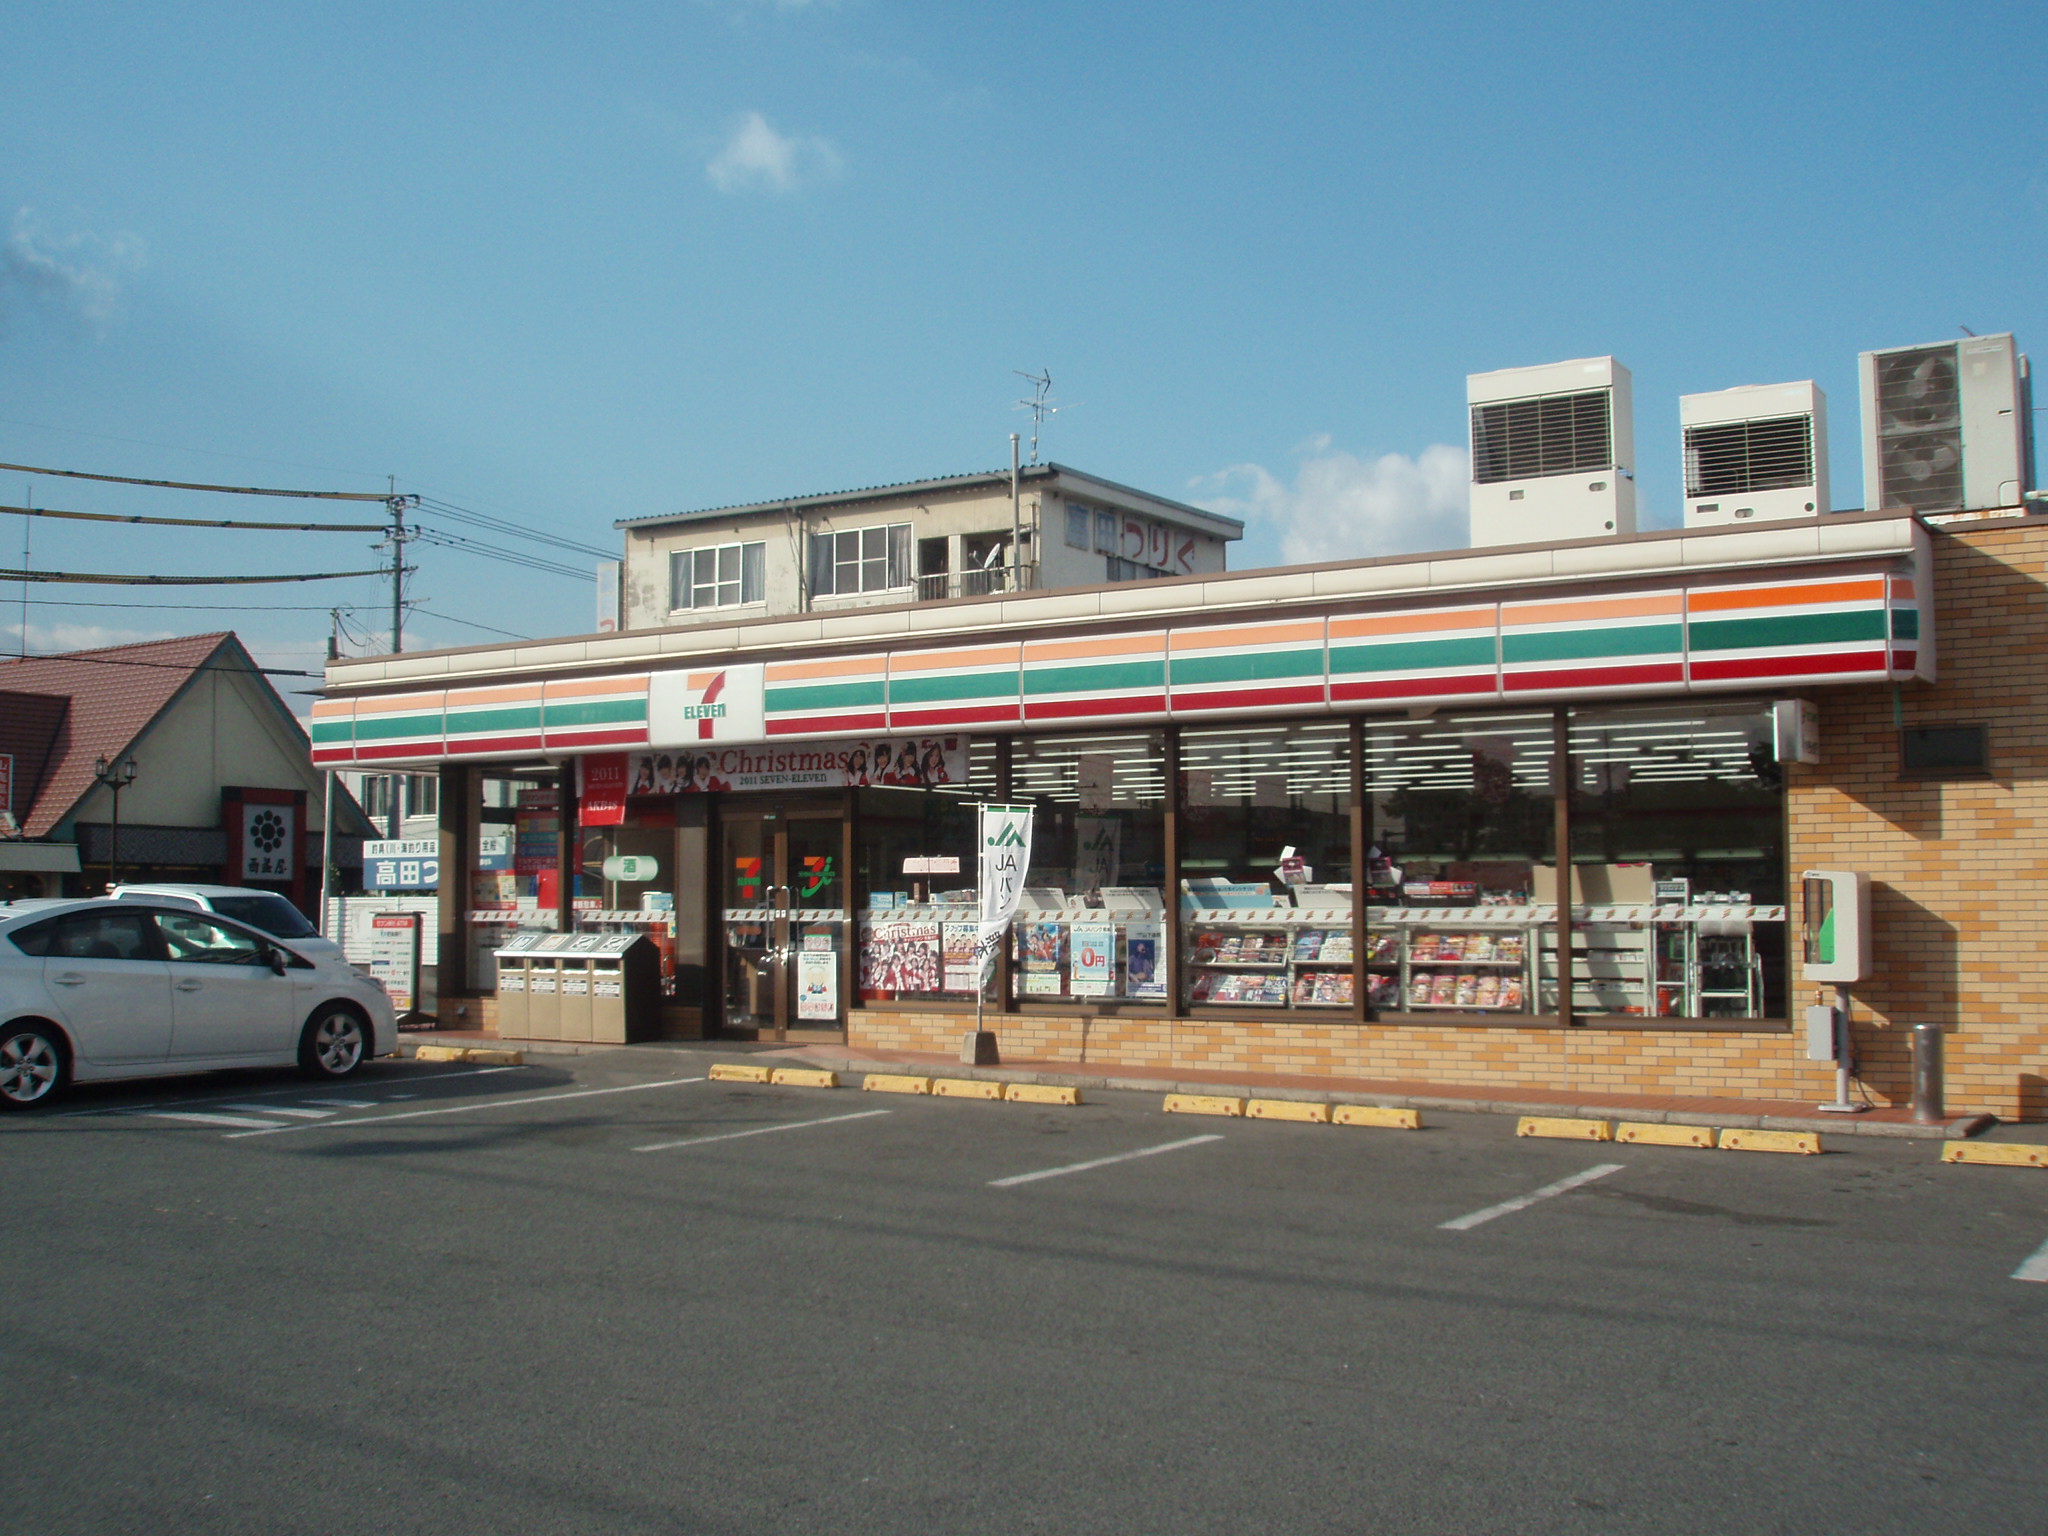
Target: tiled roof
115 693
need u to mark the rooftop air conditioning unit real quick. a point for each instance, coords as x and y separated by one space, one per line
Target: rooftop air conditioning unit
1947 427
1553 453
1757 452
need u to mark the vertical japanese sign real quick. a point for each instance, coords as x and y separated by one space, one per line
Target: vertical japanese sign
1005 860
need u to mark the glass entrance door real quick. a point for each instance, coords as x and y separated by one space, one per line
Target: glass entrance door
784 921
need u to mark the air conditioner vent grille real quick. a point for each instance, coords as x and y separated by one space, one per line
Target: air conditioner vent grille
1549 435
1923 473
1917 391
1740 458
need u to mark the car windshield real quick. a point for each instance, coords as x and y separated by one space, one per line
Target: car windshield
273 914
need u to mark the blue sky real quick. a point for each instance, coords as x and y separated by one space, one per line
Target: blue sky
563 265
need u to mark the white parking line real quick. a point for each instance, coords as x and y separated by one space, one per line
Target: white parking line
281 1109
1523 1202
1101 1162
198 1119
759 1130
136 1109
2036 1267
460 1109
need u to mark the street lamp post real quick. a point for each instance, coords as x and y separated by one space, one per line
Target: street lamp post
117 776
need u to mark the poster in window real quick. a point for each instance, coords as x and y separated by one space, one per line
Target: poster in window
1044 947
900 957
817 985
1094 965
956 951
1144 955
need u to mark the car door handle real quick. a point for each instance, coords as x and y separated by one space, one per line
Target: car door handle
189 985
69 979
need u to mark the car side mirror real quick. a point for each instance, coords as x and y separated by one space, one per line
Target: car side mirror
277 960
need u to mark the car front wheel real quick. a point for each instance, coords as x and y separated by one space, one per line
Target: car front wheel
31 1065
334 1044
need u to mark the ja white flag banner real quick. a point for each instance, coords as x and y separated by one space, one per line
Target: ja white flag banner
1005 860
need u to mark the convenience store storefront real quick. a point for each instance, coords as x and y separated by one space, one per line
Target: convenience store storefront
1303 820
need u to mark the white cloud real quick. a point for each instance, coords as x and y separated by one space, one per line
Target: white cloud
1342 507
757 156
52 639
84 275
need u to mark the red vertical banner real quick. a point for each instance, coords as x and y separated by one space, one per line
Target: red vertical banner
601 789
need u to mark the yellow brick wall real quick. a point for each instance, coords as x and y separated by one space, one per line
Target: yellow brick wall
1960 901
1959 868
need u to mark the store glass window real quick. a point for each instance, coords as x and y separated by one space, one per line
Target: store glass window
722 576
1461 864
1678 863
1266 877
512 858
914 873
1091 924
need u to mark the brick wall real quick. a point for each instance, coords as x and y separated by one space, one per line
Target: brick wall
1959 905
1959 869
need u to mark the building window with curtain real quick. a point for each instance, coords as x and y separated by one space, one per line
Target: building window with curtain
720 576
860 560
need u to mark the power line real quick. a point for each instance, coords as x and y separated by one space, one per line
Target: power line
457 541
156 666
90 579
505 526
469 623
186 485
68 602
194 522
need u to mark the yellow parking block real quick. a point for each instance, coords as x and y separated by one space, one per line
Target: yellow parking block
1803 1143
1287 1109
965 1088
733 1072
1566 1130
1374 1114
1041 1093
878 1082
482 1055
1202 1104
1665 1135
2009 1154
803 1077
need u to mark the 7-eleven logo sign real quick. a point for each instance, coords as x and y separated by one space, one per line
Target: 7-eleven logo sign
685 709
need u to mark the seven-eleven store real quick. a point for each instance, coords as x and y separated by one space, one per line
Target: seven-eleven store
1306 819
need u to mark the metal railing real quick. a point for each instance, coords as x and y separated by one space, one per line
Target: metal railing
945 584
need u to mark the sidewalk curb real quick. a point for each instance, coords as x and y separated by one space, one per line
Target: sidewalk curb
1959 1128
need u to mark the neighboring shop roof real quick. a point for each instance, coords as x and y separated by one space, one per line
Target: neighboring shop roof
1030 475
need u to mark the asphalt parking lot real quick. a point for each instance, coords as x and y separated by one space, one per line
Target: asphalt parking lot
604 1294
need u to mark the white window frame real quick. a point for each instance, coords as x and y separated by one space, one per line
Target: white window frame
719 576
853 562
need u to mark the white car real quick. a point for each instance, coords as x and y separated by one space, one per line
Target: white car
95 990
245 904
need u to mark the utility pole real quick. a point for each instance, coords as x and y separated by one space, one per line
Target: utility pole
398 538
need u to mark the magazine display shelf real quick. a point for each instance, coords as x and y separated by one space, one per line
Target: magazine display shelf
1278 957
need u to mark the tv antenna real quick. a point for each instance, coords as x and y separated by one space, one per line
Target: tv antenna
1041 405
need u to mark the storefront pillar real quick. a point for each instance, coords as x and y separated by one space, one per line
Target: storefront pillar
568 847
1361 818
1170 840
1561 790
458 859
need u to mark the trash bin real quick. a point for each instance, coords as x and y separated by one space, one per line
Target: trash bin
625 989
514 959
